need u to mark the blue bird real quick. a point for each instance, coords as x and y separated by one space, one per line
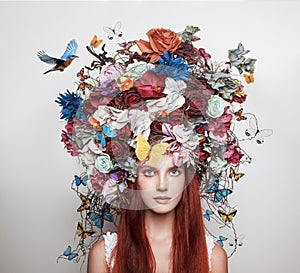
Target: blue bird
64 61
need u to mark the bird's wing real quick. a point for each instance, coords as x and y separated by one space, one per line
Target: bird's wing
70 50
46 58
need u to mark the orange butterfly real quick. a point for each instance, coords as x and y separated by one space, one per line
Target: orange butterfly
83 233
249 77
239 115
95 42
234 175
85 203
81 75
144 150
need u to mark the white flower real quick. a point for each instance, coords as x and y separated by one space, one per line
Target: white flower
172 86
216 106
185 136
139 122
111 72
103 163
109 191
112 117
217 164
137 69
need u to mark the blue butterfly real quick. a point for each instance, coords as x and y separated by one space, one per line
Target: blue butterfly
79 180
207 214
106 131
69 254
221 240
98 219
219 193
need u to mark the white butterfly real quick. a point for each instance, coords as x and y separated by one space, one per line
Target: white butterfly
236 241
116 31
254 132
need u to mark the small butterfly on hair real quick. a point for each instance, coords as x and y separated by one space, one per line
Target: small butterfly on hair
221 240
256 133
81 75
227 217
207 214
98 219
249 77
234 175
112 32
83 233
144 151
85 205
236 241
219 194
80 180
239 115
68 254
95 42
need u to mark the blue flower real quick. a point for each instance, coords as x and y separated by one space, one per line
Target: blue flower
173 67
70 103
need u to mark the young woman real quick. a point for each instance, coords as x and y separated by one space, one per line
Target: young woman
158 121
168 236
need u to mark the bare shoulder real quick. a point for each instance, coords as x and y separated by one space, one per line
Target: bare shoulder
219 260
96 259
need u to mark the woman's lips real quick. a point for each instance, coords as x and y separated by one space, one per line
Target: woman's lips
162 199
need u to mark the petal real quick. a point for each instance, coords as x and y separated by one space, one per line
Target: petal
144 46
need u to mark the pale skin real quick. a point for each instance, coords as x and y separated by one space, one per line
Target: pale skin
161 185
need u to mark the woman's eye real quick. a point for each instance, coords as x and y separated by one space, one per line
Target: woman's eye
175 172
148 172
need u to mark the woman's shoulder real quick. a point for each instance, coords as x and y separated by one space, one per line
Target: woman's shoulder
219 260
100 253
97 259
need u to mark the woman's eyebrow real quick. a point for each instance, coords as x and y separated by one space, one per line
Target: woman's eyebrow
147 167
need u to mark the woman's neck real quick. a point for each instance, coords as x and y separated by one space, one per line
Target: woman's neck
159 226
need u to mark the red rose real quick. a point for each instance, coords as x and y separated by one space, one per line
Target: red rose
156 127
95 99
124 132
151 85
189 53
128 99
196 97
117 149
176 118
199 129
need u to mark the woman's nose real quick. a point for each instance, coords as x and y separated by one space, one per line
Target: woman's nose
162 184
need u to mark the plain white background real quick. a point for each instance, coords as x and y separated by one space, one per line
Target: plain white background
38 218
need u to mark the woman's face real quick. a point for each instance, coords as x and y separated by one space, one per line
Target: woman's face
161 184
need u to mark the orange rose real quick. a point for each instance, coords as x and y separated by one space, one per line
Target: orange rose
160 39
125 83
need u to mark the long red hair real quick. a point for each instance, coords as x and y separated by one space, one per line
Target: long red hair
133 253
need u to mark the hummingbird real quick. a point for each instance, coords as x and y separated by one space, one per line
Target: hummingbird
64 61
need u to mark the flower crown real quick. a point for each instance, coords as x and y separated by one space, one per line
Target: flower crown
147 99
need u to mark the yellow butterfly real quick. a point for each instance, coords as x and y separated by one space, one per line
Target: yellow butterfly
227 217
95 42
83 233
85 203
144 150
234 175
249 77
